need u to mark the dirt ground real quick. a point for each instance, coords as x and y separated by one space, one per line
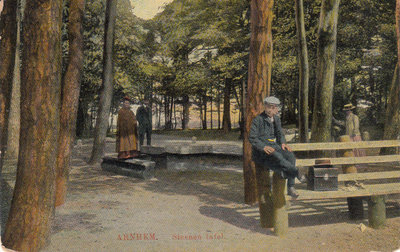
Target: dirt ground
197 211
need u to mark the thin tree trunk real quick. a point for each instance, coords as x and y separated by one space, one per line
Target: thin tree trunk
353 95
175 122
226 120
326 59
166 106
159 116
170 112
186 107
32 208
15 111
303 72
219 109
260 63
8 33
205 112
107 86
82 119
71 83
211 111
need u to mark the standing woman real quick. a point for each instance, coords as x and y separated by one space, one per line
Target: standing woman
126 143
352 125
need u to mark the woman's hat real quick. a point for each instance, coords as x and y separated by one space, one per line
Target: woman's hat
348 107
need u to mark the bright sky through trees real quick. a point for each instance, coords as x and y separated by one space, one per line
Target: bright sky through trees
147 9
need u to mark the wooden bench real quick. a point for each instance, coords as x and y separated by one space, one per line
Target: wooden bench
379 176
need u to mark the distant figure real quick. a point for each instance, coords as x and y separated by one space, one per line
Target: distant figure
352 125
269 148
126 145
143 114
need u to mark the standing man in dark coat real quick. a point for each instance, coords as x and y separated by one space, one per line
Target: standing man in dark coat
143 115
269 148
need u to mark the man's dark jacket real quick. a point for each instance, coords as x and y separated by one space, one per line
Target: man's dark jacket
143 117
262 131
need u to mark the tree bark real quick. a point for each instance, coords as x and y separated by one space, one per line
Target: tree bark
226 119
260 63
392 115
69 105
303 72
392 120
107 85
32 208
14 114
8 33
326 60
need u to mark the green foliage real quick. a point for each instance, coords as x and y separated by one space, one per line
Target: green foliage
192 46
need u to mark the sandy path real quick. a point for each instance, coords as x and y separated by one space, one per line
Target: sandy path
182 211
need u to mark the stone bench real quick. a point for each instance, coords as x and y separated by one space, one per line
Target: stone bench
188 156
138 167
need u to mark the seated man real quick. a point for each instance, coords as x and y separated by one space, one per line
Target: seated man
269 148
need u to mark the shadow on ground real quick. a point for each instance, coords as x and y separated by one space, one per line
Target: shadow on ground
221 192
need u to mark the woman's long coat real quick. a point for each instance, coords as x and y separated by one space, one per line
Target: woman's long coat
126 130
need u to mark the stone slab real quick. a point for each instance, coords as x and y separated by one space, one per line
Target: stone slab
138 168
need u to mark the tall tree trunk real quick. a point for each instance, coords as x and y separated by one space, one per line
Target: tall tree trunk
32 207
14 115
353 94
82 120
175 122
159 116
170 112
226 120
219 108
107 86
166 106
392 116
326 59
8 33
186 107
258 85
243 109
70 98
211 111
392 120
303 72
205 112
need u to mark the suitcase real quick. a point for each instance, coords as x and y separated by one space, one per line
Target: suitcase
323 177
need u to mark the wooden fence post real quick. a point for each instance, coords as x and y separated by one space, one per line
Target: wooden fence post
280 214
376 211
355 205
264 196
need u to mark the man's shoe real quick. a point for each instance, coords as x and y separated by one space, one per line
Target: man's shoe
292 192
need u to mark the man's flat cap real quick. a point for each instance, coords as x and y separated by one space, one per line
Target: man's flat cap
271 100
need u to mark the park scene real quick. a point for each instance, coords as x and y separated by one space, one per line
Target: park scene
200 125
